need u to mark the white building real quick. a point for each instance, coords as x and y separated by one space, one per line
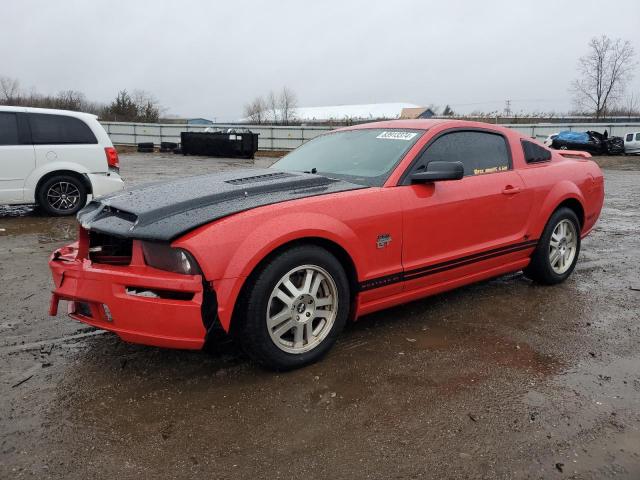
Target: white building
342 113
369 111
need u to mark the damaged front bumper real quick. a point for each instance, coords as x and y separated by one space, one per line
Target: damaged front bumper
139 303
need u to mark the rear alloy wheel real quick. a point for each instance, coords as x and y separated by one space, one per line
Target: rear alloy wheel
563 245
557 252
295 308
62 195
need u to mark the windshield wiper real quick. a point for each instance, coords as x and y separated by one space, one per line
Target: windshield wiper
313 170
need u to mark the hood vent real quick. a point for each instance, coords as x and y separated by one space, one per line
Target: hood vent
259 178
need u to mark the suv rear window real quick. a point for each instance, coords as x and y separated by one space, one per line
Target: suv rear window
8 129
534 153
59 129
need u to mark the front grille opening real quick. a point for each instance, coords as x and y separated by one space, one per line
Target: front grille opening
162 294
82 308
109 249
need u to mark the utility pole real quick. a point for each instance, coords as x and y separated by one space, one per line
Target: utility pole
507 108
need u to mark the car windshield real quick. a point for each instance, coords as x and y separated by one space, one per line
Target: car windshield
362 156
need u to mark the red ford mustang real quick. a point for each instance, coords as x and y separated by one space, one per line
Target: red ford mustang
354 221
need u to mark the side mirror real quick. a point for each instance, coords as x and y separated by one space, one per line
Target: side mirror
439 171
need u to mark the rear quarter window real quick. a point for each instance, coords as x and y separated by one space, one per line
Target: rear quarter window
629 137
534 153
59 130
8 129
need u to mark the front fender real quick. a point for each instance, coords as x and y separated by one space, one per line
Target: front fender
243 245
276 232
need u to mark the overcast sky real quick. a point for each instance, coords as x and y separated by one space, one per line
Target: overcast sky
208 58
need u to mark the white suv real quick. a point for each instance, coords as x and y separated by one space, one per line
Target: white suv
55 158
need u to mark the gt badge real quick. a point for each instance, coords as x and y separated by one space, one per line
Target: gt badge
383 240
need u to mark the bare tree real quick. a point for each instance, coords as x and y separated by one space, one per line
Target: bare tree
273 107
604 72
71 100
9 89
287 103
147 105
255 111
632 105
141 106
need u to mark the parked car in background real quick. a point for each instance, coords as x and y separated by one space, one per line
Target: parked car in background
354 221
55 159
593 142
614 146
549 140
632 143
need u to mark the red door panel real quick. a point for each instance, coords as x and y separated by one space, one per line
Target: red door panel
463 223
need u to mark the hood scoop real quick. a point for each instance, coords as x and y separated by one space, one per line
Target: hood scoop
258 178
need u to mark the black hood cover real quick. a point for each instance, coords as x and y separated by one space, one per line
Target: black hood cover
164 211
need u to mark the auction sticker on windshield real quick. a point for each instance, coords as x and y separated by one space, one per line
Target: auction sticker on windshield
395 135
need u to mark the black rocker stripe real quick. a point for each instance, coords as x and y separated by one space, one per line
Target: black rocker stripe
443 266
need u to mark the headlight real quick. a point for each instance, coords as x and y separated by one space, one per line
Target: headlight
164 257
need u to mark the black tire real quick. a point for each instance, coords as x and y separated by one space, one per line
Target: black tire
50 203
540 269
252 332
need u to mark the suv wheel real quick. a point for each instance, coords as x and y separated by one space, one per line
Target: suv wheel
62 195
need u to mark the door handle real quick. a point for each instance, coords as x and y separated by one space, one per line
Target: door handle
510 190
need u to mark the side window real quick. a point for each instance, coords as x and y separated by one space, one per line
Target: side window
629 137
8 129
534 153
638 136
59 129
479 152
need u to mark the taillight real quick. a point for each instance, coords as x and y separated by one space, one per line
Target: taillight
112 157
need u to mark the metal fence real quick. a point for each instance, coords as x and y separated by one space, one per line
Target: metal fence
270 138
288 138
543 130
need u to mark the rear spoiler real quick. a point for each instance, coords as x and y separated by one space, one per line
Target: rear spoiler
574 154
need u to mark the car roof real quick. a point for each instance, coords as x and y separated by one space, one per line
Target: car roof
424 124
420 124
50 111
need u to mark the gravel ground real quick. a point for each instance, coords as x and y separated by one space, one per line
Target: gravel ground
503 379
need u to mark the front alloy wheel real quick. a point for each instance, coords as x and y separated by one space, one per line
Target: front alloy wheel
293 308
302 309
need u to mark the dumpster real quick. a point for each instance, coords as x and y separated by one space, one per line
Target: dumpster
232 143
